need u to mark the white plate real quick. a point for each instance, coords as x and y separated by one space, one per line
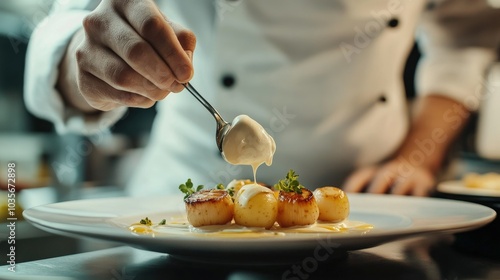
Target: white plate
458 187
393 217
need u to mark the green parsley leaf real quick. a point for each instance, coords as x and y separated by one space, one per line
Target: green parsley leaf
230 191
290 183
187 188
146 221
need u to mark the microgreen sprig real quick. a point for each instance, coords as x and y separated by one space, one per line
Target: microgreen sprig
290 183
146 221
188 188
230 191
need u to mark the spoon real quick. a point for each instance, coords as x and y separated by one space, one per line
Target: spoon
222 126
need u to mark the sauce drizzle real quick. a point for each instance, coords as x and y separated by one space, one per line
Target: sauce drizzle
248 143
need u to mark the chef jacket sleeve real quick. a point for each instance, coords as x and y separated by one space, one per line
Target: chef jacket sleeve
458 40
45 50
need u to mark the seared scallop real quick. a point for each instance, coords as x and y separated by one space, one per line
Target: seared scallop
209 207
297 209
333 204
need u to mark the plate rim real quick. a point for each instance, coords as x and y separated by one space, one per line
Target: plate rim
122 236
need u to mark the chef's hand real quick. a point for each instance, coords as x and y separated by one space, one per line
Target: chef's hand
437 121
126 54
394 177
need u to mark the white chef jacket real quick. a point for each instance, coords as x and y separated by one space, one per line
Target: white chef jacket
323 77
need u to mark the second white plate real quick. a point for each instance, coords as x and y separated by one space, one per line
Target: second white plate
458 187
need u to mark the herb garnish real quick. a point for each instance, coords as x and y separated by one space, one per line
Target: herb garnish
187 188
230 191
146 221
290 183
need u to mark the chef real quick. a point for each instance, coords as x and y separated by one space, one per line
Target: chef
323 77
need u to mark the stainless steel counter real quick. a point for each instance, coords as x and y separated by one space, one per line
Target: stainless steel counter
419 258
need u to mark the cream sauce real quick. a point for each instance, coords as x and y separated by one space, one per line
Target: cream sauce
248 143
182 227
248 191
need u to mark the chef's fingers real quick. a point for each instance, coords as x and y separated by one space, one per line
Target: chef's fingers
422 190
402 186
112 31
425 184
358 180
186 38
104 97
107 66
151 24
383 180
419 183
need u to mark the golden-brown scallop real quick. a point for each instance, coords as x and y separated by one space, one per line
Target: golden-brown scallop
255 206
333 204
296 209
209 207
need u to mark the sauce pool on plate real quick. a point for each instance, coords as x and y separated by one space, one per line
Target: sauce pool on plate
181 227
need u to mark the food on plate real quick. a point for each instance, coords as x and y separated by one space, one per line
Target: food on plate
333 204
248 143
207 207
296 204
245 204
483 181
250 210
297 209
255 206
235 185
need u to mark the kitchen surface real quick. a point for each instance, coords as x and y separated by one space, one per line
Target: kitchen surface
420 258
50 168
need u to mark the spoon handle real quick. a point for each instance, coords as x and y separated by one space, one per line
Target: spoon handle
205 103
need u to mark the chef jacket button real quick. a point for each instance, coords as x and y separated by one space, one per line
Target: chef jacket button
382 99
394 22
228 80
430 5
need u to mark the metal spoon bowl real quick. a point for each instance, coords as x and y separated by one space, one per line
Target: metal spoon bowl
222 126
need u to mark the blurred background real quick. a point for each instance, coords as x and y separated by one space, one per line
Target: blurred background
51 167
97 168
